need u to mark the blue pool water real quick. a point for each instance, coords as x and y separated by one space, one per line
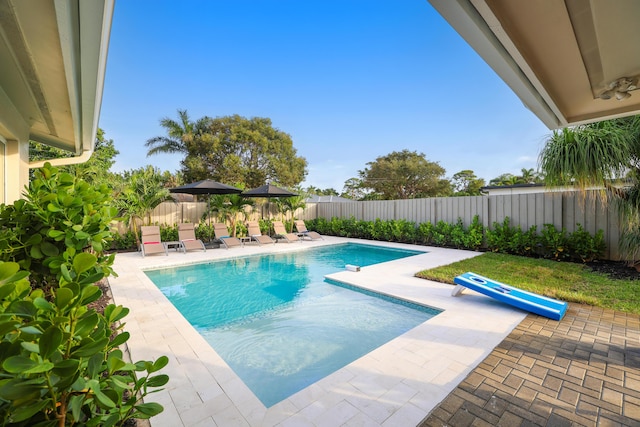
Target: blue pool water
278 324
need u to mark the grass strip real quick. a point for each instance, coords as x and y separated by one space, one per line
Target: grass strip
562 280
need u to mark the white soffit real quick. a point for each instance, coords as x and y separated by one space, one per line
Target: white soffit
556 55
54 58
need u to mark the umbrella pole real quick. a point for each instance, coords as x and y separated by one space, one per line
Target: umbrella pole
209 215
271 233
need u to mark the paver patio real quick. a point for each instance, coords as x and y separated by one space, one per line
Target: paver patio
397 384
581 371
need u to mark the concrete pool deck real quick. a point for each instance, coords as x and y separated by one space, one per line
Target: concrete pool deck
399 383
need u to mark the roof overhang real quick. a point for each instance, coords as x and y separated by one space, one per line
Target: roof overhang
53 55
563 58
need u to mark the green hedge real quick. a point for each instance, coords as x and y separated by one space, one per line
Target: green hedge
503 237
549 243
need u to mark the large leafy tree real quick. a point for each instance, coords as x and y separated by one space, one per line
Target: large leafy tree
94 170
405 175
466 183
231 149
597 155
353 189
251 151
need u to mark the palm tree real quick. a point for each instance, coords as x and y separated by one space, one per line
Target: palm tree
180 134
596 155
504 179
291 204
529 176
231 207
137 194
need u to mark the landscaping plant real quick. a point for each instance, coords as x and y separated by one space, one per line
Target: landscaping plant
579 246
59 359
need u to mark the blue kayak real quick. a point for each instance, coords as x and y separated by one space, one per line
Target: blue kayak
534 303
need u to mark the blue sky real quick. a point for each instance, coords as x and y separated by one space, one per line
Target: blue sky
349 80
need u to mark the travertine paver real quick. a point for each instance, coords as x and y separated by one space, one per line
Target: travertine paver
581 371
397 384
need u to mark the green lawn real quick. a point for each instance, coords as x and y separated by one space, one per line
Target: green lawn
561 280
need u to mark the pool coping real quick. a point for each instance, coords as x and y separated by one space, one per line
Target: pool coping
398 383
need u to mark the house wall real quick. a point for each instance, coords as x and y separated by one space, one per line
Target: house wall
16 170
2 168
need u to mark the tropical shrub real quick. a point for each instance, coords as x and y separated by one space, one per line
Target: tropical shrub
550 243
442 233
499 238
382 230
138 193
362 229
169 233
554 243
404 231
474 236
458 234
60 217
425 233
265 225
126 241
204 231
59 361
584 247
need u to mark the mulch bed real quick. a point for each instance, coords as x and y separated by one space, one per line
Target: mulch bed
100 304
615 269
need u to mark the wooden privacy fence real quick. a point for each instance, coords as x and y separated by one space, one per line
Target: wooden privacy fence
170 213
562 209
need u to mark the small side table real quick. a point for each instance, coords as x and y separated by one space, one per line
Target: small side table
174 244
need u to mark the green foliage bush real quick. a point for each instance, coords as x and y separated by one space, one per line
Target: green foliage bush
126 241
169 233
585 247
442 233
553 243
474 237
61 216
550 243
425 233
59 359
265 226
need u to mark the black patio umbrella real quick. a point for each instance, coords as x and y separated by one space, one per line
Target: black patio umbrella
207 187
268 191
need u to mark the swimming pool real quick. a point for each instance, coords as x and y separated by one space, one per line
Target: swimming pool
278 324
